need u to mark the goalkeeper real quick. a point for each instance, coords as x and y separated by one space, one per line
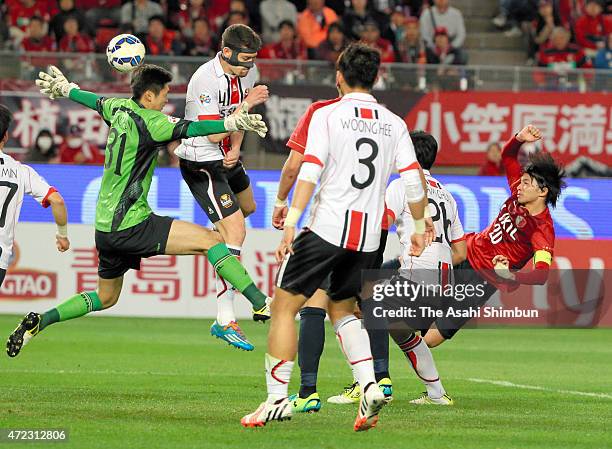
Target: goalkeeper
126 228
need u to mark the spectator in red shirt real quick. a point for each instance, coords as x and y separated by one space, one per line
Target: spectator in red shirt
185 18
288 46
561 54
74 41
21 11
370 35
593 27
336 41
37 39
443 52
161 41
76 150
203 42
493 165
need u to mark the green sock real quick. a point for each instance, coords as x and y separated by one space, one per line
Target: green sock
230 269
74 307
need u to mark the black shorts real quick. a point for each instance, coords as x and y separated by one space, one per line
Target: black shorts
214 187
465 274
377 263
120 251
314 259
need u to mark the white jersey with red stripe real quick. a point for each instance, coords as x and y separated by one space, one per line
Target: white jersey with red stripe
16 179
212 94
357 142
436 258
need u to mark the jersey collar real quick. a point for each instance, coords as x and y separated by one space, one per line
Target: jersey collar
360 96
137 102
217 65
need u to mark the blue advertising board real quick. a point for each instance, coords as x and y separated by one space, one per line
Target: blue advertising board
583 211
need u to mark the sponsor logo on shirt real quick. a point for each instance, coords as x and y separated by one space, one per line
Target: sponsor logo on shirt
226 201
205 99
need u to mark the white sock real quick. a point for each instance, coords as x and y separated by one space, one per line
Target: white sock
418 353
355 344
278 375
225 295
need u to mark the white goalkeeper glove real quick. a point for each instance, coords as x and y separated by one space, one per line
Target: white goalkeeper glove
54 84
242 120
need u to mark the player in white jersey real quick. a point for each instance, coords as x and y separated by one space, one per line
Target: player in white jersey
211 165
17 179
352 147
433 267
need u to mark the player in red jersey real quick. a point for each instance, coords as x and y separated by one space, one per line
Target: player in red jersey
523 230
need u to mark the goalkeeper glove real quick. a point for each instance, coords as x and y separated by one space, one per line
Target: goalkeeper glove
242 120
54 84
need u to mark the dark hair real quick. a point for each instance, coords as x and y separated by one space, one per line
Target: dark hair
157 18
149 77
548 173
359 65
425 147
37 18
239 36
5 120
288 23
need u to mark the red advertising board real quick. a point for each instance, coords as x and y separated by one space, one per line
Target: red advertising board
573 124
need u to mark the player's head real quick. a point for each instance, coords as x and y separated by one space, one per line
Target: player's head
240 45
150 86
425 147
542 180
357 68
5 122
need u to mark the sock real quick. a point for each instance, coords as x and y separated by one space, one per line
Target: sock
379 345
230 268
418 353
355 345
310 348
74 307
377 328
278 374
225 295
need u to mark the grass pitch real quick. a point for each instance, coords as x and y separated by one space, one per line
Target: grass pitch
165 383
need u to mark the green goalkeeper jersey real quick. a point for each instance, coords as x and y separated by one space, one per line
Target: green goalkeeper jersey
135 138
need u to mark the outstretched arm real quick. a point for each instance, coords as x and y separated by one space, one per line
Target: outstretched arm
88 99
60 215
510 152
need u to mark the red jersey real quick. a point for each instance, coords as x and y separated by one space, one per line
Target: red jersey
19 15
514 233
80 43
297 50
43 44
490 169
591 30
299 136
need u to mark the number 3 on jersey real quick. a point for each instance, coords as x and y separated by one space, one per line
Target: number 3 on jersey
115 140
367 161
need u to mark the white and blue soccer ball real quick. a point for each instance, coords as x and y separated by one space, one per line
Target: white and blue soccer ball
125 52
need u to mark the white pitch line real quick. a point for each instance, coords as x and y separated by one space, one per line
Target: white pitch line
504 383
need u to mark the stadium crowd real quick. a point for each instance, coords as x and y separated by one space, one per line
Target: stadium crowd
574 32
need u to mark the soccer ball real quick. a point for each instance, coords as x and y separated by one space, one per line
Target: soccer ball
125 52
